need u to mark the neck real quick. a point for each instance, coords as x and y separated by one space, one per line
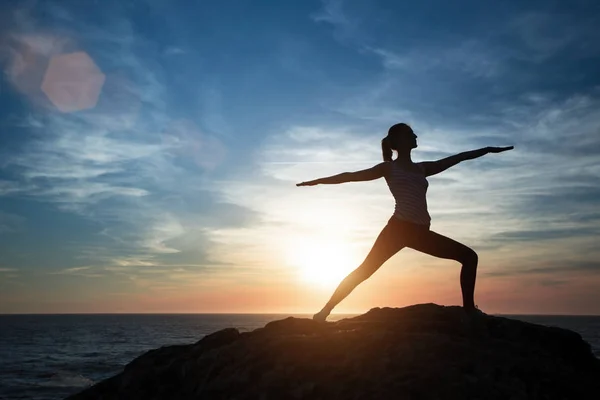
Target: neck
404 157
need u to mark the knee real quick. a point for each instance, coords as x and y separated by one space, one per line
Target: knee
469 257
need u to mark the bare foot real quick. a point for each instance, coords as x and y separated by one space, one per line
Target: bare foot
473 311
475 321
321 316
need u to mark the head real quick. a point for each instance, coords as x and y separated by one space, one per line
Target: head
401 138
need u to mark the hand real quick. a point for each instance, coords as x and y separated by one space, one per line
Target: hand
309 183
499 149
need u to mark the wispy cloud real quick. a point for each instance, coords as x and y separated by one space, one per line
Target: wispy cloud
120 164
512 47
333 13
174 51
472 57
160 234
565 267
8 187
79 271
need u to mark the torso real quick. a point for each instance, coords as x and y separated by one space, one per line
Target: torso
408 184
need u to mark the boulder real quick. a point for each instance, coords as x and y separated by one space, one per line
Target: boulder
424 351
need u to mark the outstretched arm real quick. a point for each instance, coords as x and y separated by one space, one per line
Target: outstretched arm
368 174
435 167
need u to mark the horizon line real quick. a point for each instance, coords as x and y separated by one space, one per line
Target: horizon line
268 313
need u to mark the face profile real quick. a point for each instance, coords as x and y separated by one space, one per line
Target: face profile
410 139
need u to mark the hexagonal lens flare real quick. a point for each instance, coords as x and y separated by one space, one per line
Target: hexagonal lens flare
73 82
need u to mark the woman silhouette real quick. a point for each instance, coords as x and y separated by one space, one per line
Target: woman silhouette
409 225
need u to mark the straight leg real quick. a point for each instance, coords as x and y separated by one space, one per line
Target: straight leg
388 243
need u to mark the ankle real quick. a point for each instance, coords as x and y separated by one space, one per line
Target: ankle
326 310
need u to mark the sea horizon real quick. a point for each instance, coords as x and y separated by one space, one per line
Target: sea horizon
277 313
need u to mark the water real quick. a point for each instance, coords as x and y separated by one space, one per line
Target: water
45 357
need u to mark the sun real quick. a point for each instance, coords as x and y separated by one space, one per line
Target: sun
322 261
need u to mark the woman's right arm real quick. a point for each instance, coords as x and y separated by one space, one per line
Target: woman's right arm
368 174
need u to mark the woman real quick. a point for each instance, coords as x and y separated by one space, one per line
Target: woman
409 225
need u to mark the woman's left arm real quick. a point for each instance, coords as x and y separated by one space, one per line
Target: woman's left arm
435 167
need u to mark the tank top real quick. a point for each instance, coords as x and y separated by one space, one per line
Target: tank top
409 190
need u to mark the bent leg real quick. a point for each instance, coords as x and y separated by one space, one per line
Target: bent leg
388 243
437 245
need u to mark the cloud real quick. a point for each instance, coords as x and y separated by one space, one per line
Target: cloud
76 163
168 228
133 262
333 13
551 267
472 57
72 152
544 234
477 58
461 53
558 176
174 51
127 164
8 187
184 138
72 271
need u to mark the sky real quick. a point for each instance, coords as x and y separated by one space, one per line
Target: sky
150 150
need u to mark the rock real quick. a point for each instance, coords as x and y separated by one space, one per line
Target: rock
423 352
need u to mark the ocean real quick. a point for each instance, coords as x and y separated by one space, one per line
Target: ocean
48 357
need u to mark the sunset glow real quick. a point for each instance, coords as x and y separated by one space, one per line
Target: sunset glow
322 261
150 153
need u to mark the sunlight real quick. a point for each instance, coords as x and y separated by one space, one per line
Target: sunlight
322 261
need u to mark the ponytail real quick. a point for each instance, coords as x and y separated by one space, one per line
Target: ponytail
386 149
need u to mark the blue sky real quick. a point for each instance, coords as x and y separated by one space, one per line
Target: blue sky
175 191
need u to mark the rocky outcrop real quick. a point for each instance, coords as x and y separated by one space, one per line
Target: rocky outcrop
419 352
